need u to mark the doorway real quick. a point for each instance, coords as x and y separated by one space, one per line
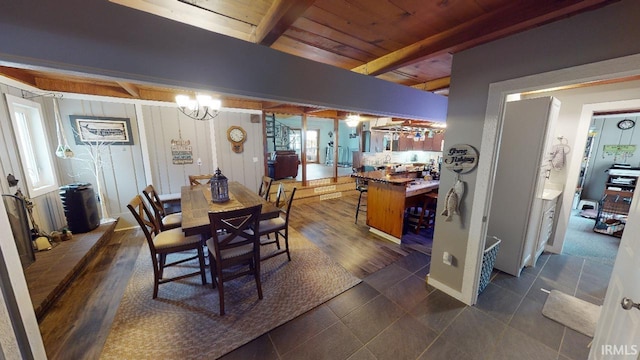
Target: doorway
312 146
611 329
603 193
583 108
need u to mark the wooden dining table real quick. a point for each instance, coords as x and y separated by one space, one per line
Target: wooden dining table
196 204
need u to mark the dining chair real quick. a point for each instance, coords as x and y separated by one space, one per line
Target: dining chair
234 243
265 187
165 221
163 243
278 226
204 179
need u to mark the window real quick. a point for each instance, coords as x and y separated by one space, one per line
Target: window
33 146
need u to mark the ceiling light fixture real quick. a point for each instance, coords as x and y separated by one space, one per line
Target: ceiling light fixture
203 107
353 120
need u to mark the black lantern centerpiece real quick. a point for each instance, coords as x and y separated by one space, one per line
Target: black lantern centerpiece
219 187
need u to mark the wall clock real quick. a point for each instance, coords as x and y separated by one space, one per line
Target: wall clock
626 124
236 136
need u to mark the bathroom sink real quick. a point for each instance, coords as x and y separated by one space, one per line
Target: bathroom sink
550 194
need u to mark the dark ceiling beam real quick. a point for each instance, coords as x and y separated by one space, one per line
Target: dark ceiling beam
281 15
519 16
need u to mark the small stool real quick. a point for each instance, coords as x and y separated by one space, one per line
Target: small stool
428 209
587 202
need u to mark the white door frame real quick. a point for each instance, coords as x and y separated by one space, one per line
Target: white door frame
608 69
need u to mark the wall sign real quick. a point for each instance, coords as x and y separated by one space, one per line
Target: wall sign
460 158
181 152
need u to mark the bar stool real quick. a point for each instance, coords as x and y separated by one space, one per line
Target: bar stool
362 186
429 210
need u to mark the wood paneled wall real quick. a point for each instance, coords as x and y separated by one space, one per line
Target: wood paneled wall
47 209
123 174
163 124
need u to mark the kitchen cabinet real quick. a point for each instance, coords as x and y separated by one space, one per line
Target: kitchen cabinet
518 204
388 197
405 144
433 143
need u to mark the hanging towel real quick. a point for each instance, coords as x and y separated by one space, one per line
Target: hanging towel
558 156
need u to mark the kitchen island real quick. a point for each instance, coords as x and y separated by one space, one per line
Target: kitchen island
389 194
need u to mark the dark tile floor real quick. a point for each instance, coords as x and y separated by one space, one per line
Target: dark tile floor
393 314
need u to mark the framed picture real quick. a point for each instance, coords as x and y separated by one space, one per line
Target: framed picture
94 129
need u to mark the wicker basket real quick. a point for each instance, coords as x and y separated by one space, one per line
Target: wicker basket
488 260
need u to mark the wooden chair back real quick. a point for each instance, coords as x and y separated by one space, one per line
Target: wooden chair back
171 243
265 187
279 227
235 242
204 179
152 197
145 219
284 200
234 228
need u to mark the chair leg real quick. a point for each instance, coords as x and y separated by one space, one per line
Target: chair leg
212 270
256 274
156 274
203 273
163 260
221 296
277 240
286 243
358 208
156 282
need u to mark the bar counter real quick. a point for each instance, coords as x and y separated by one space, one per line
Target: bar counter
388 197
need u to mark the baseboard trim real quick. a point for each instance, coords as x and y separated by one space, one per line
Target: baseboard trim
384 235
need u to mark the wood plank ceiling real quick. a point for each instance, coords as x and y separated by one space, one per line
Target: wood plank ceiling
409 42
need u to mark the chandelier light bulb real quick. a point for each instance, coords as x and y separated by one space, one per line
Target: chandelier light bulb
203 107
182 100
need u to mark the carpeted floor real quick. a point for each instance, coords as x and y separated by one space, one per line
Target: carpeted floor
581 241
183 322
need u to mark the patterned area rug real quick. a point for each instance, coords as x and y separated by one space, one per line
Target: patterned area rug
183 322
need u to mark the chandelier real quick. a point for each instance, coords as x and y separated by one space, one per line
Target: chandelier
203 107
353 120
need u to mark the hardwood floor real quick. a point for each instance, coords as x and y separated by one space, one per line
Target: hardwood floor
330 225
76 327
